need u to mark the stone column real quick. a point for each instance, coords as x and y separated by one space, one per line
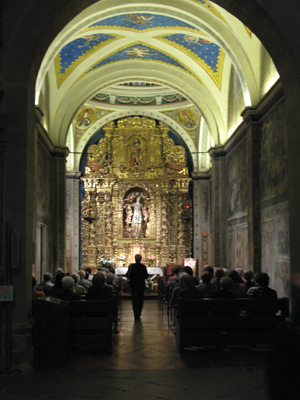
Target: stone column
58 194
72 222
202 222
254 221
218 207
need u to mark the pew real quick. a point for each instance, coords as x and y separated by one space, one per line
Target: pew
220 322
91 324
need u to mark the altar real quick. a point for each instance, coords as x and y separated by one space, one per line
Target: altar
136 197
151 271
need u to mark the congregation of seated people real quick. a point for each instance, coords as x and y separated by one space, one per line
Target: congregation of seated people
76 286
218 283
213 283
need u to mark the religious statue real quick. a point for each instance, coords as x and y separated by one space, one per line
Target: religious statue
137 219
136 153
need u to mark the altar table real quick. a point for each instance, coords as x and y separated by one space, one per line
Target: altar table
151 271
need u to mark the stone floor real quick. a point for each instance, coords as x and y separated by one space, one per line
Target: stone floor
145 365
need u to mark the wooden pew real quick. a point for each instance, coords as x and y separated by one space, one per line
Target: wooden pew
91 324
229 321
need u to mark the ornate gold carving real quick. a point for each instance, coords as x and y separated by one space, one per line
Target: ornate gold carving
136 159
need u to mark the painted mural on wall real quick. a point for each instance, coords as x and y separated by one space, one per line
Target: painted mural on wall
274 205
237 246
188 118
275 247
273 165
43 186
85 118
237 181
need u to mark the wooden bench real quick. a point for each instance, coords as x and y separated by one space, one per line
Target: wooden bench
91 324
229 321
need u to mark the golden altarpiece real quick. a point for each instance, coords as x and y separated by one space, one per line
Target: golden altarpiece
136 196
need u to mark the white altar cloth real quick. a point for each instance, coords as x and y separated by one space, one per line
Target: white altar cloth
151 271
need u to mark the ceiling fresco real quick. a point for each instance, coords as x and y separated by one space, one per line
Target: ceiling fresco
141 22
188 118
73 53
183 55
139 51
207 54
208 5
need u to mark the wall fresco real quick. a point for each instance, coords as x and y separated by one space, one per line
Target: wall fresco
237 182
274 205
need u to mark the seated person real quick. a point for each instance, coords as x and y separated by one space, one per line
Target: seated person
177 287
36 294
112 281
237 289
67 293
189 271
240 273
262 290
206 286
83 281
88 274
226 285
57 288
248 276
208 268
225 293
176 270
98 291
77 288
189 290
46 284
219 273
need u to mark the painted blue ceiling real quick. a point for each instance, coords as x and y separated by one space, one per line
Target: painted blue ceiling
202 49
141 22
208 55
74 52
138 52
77 48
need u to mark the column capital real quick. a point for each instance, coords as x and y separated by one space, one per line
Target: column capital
216 152
73 174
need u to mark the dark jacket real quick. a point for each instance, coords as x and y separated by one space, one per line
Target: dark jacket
137 273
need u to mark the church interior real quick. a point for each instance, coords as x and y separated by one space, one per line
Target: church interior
168 129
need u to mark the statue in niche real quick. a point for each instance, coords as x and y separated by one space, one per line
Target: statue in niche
136 153
137 219
136 216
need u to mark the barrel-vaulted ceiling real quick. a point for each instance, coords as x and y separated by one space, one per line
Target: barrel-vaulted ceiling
172 61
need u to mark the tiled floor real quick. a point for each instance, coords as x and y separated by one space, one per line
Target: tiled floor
145 365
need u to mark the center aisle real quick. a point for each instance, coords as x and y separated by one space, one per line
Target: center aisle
145 365
144 344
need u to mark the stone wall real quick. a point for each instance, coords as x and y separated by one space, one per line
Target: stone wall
274 203
237 205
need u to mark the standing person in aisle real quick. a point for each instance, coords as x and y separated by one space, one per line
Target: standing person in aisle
136 274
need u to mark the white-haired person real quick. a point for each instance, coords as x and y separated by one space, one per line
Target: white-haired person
67 292
83 281
77 288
